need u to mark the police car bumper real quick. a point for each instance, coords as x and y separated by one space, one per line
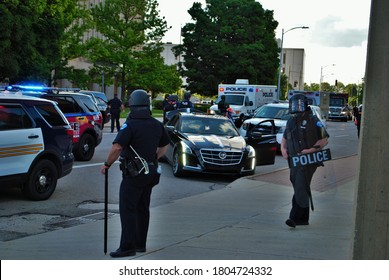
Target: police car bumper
338 117
67 166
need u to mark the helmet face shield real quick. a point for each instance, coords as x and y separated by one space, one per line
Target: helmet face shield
298 104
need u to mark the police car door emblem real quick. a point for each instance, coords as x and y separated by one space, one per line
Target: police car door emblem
222 155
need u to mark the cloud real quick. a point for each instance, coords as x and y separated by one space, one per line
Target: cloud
329 32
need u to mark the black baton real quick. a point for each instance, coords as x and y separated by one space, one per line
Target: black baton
310 198
106 211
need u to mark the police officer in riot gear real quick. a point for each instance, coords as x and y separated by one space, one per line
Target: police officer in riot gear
222 105
141 139
304 133
186 103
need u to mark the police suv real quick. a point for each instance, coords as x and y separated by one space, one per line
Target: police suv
35 145
81 112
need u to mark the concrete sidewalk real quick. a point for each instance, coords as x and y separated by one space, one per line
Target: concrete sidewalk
244 221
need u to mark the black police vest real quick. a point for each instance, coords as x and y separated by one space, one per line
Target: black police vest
115 105
302 133
222 106
185 104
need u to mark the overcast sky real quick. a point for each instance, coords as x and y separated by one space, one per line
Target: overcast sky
337 33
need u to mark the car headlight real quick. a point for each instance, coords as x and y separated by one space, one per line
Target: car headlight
245 125
251 151
185 148
212 112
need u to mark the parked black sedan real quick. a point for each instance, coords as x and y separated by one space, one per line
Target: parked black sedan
211 144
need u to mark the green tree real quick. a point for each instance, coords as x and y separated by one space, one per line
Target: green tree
72 47
130 44
355 91
31 32
339 87
311 87
151 73
228 40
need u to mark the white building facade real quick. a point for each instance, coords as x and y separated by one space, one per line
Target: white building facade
293 67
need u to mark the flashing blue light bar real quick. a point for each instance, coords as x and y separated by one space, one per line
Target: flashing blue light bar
33 87
27 87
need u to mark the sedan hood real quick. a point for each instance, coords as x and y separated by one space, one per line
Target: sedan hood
216 142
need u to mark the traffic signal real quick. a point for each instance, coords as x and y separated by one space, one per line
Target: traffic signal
336 83
295 84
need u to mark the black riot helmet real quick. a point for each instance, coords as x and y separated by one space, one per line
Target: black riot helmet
139 98
187 95
298 103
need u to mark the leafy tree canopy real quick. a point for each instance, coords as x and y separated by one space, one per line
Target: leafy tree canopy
130 42
31 32
228 40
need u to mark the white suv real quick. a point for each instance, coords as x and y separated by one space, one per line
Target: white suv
35 145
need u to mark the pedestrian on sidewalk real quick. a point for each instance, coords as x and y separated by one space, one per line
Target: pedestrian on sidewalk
115 106
304 133
141 141
358 119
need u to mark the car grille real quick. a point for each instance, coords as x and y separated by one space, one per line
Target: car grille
221 157
335 111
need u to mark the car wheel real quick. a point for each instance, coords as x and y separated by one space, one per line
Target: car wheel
86 148
42 181
177 165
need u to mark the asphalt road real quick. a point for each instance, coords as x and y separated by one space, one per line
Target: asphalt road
81 193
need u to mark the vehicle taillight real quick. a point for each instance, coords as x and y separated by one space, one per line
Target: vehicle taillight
70 132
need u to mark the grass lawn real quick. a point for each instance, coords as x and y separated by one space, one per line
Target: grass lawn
155 113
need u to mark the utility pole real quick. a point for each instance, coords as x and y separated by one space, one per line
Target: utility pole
371 230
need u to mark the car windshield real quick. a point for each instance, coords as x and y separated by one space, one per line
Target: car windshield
273 112
336 102
214 126
233 99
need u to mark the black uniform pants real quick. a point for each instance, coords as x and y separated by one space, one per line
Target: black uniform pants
134 204
301 180
115 119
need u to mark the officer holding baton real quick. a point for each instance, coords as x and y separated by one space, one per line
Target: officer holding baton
141 141
304 134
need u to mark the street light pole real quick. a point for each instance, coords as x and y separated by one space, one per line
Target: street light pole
321 74
280 67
